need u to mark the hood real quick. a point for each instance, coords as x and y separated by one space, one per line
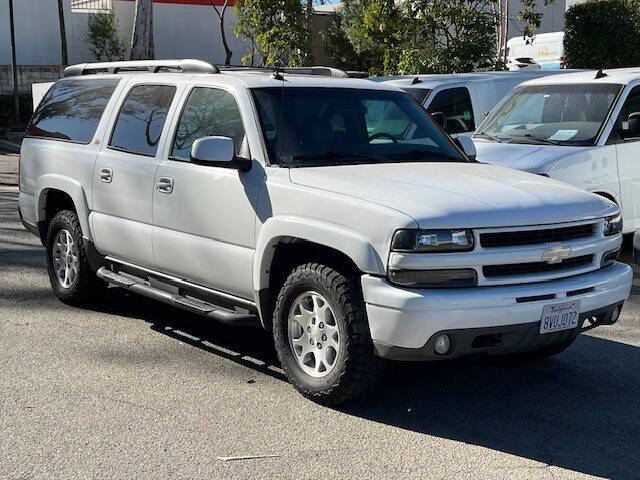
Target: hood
457 195
527 157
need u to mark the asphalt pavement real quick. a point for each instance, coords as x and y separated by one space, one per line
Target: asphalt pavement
130 388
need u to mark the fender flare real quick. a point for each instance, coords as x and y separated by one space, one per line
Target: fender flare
72 188
352 244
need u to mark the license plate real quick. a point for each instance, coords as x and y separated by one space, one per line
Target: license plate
562 316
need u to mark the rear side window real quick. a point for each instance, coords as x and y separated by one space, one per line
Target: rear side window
453 108
207 112
141 119
71 110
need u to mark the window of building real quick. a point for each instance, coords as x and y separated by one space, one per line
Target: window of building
207 112
141 119
71 110
91 6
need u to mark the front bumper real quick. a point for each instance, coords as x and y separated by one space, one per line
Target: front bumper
408 319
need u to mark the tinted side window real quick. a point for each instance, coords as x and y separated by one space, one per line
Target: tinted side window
71 110
630 109
207 112
457 111
141 119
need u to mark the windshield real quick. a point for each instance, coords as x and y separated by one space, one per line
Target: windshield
551 114
329 126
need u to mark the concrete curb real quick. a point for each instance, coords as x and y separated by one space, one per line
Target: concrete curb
11 146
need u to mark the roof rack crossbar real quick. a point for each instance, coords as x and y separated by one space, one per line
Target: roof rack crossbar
150 66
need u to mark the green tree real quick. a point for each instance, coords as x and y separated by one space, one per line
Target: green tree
602 33
450 36
278 29
102 34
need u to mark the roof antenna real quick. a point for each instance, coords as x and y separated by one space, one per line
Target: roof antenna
416 80
600 74
276 75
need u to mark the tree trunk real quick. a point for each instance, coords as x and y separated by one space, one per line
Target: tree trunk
63 35
142 36
220 13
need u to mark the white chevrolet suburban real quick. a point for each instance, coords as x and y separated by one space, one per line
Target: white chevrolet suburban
333 212
581 128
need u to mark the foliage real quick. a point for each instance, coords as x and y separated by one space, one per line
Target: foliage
279 30
602 33
342 53
358 50
451 36
102 34
423 36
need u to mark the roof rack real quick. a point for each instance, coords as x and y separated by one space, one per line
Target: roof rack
317 70
150 66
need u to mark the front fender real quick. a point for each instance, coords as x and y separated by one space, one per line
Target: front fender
352 244
72 188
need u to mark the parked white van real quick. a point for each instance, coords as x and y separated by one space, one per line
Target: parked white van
581 128
545 49
460 101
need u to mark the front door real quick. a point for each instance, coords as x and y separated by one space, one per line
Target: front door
452 109
628 152
205 215
124 176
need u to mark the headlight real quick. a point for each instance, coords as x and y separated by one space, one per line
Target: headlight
458 240
452 278
613 225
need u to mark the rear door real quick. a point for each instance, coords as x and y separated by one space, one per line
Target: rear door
124 173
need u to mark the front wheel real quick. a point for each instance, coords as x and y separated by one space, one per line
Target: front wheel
322 335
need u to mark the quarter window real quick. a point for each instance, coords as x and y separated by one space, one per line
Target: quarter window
207 112
141 119
453 109
71 110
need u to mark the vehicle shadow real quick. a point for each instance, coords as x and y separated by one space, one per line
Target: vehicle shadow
579 410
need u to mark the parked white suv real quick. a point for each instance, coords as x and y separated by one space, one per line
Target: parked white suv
331 211
581 128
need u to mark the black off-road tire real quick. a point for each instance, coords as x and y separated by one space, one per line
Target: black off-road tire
85 286
356 369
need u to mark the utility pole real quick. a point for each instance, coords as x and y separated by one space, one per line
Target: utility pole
16 104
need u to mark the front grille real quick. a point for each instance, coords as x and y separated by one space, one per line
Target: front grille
532 237
535 267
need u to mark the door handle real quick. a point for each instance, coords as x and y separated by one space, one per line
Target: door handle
106 175
164 185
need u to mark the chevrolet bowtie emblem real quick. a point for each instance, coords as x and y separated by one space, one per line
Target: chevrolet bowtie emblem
556 254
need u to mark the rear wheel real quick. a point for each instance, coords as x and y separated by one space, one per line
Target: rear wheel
322 335
70 275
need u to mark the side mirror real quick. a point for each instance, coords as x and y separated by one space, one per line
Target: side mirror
633 125
218 152
467 146
440 119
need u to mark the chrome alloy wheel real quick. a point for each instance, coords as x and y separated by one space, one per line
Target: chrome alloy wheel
65 259
313 334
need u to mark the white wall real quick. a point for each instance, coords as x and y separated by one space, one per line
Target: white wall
552 16
180 31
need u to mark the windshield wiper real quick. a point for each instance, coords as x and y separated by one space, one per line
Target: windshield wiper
535 138
419 154
331 157
488 136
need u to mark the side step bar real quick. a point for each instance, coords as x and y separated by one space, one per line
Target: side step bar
191 304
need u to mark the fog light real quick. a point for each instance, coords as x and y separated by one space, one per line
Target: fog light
615 314
442 344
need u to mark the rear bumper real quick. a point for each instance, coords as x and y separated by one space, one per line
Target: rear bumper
410 319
